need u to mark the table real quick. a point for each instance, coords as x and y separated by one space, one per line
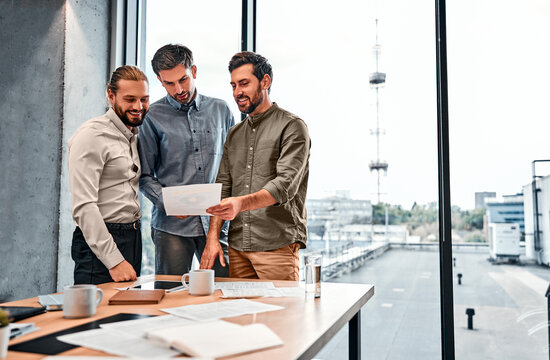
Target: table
305 325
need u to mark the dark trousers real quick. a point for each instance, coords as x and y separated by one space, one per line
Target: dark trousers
174 253
89 270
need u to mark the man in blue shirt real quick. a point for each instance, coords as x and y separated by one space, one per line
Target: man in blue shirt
181 143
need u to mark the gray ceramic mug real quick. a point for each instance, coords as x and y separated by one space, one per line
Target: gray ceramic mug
80 300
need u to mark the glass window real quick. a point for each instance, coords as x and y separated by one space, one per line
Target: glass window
212 30
323 63
498 96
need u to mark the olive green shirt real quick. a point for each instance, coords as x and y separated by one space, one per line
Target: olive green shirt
268 151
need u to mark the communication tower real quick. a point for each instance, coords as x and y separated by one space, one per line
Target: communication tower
377 80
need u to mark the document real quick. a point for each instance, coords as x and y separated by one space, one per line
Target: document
140 327
217 338
222 309
275 292
244 285
191 199
118 344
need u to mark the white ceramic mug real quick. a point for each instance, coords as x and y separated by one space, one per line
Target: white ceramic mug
81 300
199 282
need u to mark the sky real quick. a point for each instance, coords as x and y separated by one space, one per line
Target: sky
498 71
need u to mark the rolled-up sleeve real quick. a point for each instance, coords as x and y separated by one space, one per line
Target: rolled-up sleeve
148 147
292 163
86 162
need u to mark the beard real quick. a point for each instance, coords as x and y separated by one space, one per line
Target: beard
125 119
254 102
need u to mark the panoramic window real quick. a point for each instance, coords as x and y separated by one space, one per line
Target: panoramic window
361 116
498 76
213 37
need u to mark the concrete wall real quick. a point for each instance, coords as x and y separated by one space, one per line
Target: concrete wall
86 72
54 68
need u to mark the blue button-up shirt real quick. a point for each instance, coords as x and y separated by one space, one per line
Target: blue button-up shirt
180 146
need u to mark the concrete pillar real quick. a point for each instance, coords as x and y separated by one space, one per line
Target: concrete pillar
54 70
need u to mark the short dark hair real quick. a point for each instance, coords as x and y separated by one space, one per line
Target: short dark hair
171 55
125 72
260 64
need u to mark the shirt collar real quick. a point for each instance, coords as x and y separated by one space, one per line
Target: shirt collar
252 120
111 114
176 105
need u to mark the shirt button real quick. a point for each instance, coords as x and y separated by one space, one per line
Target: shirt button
248 166
245 224
254 130
194 131
196 149
251 148
200 168
246 186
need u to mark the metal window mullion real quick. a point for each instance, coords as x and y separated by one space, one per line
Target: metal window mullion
248 25
445 239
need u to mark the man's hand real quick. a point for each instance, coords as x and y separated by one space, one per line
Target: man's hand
123 272
212 250
227 209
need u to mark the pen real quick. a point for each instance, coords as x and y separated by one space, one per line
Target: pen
15 332
177 288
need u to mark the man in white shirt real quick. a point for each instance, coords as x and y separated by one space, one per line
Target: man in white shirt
104 171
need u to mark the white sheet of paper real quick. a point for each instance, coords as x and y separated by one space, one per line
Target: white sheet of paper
232 285
275 292
223 309
191 199
140 327
118 344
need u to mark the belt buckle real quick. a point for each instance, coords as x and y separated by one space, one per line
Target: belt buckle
134 225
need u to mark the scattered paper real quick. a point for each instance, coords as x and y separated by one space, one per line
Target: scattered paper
191 199
275 292
244 285
217 338
140 327
117 343
223 309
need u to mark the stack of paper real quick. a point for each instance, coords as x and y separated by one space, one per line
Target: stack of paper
217 338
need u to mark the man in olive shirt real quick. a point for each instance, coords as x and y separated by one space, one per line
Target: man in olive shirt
264 172
104 174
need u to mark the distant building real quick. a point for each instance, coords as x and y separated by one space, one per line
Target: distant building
481 196
328 216
509 209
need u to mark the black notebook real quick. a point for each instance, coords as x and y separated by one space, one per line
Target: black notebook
22 312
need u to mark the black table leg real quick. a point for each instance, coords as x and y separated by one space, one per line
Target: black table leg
355 337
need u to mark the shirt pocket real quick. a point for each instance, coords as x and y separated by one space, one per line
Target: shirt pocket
265 162
213 139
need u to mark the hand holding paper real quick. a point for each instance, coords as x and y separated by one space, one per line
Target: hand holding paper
190 199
